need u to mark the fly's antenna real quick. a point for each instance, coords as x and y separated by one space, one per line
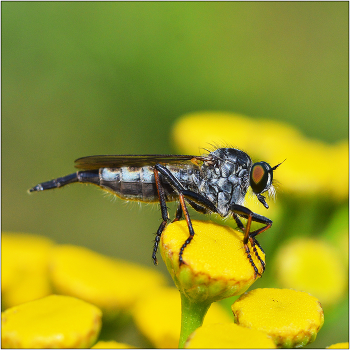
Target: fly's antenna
276 166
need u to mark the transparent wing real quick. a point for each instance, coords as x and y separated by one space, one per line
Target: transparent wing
115 161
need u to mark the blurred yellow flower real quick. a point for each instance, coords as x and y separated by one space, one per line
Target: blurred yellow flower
111 345
52 322
24 268
228 336
215 265
313 266
339 346
113 285
158 316
308 167
291 318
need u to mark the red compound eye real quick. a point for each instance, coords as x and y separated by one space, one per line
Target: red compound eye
260 177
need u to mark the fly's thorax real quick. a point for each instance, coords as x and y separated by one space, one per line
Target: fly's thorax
187 174
224 179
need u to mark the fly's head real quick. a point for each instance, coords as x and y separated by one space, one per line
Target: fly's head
260 178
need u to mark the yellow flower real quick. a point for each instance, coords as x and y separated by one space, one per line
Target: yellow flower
339 346
290 317
313 266
51 322
158 316
113 285
306 169
215 266
111 345
228 336
24 268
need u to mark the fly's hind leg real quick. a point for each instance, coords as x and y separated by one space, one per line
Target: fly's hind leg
165 216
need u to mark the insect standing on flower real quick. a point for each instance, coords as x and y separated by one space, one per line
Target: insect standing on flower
213 183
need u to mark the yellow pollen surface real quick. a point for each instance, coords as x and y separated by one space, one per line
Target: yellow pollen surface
55 321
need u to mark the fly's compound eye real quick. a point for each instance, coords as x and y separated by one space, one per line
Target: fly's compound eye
260 177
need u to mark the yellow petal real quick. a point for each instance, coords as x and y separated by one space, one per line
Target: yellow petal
228 336
51 322
290 317
158 316
215 266
24 267
111 284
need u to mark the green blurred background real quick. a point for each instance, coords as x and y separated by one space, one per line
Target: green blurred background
85 78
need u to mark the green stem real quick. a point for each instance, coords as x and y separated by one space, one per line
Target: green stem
192 316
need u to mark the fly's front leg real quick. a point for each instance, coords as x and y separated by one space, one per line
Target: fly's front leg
250 236
165 216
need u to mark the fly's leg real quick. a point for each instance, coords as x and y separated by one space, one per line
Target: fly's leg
182 209
165 216
254 241
189 225
178 214
245 244
195 206
250 236
198 202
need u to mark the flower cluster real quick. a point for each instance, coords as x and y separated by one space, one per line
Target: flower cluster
308 243
91 285
64 296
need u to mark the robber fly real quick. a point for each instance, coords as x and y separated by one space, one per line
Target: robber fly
213 183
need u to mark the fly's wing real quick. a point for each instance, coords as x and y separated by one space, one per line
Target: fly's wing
115 161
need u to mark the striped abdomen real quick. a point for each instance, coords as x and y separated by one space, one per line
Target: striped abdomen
131 183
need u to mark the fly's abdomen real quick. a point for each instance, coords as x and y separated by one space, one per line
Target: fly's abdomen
133 183
90 176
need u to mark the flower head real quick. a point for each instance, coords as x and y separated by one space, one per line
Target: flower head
339 346
158 316
111 345
314 266
215 266
228 336
291 318
24 267
111 284
55 321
